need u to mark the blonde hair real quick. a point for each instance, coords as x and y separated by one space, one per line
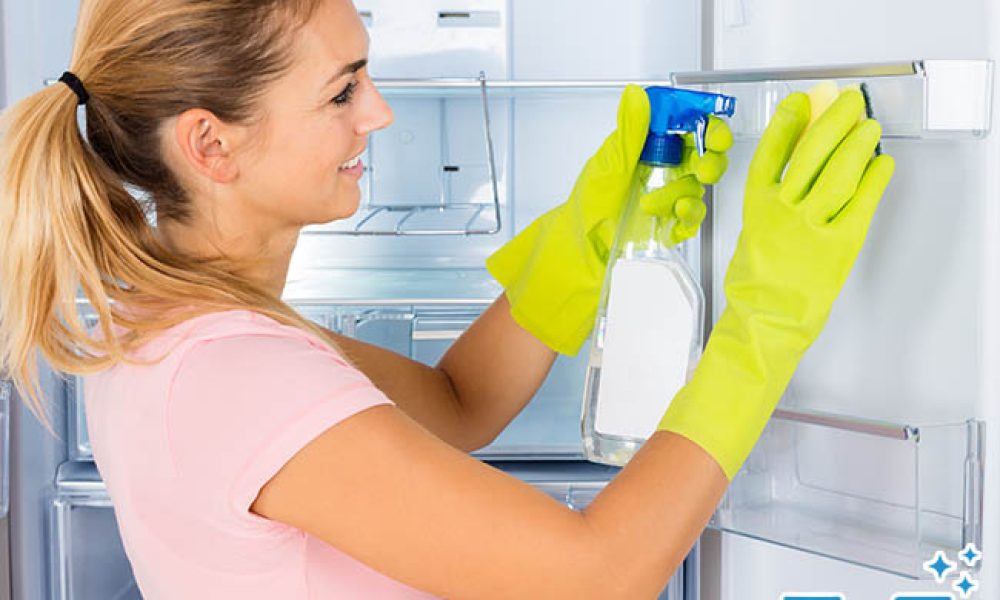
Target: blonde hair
68 221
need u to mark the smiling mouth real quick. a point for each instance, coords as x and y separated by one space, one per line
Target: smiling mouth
350 164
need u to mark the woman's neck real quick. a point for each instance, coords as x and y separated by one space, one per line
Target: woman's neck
266 257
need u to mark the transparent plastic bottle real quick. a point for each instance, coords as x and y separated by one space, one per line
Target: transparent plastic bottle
648 335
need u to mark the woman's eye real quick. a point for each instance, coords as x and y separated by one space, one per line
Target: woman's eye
345 97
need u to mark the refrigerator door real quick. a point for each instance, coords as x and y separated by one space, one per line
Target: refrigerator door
909 343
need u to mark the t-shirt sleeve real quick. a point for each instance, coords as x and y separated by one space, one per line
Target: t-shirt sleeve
242 406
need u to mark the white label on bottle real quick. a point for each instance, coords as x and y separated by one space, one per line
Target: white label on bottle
647 348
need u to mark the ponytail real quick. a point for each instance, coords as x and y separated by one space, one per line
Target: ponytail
45 176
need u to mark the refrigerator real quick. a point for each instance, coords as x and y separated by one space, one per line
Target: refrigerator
884 449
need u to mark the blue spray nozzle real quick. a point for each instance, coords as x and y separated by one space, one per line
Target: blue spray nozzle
674 112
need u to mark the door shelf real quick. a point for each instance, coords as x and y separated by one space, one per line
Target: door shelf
914 99
880 495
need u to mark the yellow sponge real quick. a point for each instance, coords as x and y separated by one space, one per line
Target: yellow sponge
822 95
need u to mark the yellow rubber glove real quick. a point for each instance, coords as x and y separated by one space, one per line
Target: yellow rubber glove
553 271
801 235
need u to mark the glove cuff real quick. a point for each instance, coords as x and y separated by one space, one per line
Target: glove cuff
553 300
735 388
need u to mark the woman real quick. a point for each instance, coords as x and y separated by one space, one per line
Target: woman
250 454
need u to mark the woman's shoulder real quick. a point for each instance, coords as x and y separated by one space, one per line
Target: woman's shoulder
241 327
229 323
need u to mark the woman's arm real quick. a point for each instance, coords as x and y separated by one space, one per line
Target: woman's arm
382 489
482 382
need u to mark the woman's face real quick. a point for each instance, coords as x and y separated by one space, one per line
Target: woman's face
302 167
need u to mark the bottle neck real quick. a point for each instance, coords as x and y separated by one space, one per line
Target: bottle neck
657 175
643 233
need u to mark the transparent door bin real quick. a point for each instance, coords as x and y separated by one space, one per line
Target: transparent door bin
880 495
433 172
912 99
87 559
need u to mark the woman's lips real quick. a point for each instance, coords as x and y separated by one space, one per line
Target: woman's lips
356 171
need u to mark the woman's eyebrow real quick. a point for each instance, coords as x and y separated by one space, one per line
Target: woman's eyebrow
353 67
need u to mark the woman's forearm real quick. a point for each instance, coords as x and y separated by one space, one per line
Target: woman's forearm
495 368
480 385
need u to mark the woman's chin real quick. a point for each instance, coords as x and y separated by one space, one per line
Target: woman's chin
345 207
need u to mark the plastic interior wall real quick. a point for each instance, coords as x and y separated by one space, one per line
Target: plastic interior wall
914 337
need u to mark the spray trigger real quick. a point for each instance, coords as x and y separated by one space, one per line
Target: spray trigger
701 134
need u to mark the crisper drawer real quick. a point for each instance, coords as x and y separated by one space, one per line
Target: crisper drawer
86 557
549 427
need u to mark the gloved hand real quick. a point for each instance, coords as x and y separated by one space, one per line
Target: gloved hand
553 271
801 235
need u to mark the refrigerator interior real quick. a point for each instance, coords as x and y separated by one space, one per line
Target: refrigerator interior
877 454
472 158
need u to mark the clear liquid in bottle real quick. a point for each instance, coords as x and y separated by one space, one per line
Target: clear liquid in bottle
648 334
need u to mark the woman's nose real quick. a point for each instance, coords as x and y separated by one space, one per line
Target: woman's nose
378 116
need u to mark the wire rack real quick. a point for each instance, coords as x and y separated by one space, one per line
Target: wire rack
445 214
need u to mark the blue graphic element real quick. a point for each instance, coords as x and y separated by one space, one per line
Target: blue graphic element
811 596
924 597
970 555
965 585
940 566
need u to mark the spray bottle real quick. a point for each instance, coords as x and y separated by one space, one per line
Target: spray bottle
648 335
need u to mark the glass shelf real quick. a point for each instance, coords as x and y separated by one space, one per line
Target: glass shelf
319 286
912 98
880 495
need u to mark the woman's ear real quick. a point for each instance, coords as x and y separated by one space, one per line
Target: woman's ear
206 145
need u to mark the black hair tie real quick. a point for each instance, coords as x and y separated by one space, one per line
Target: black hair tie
76 85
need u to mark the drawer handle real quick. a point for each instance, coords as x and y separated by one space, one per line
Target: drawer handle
436 335
465 18
6 391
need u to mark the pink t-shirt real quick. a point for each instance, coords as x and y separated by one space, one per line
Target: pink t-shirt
185 445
